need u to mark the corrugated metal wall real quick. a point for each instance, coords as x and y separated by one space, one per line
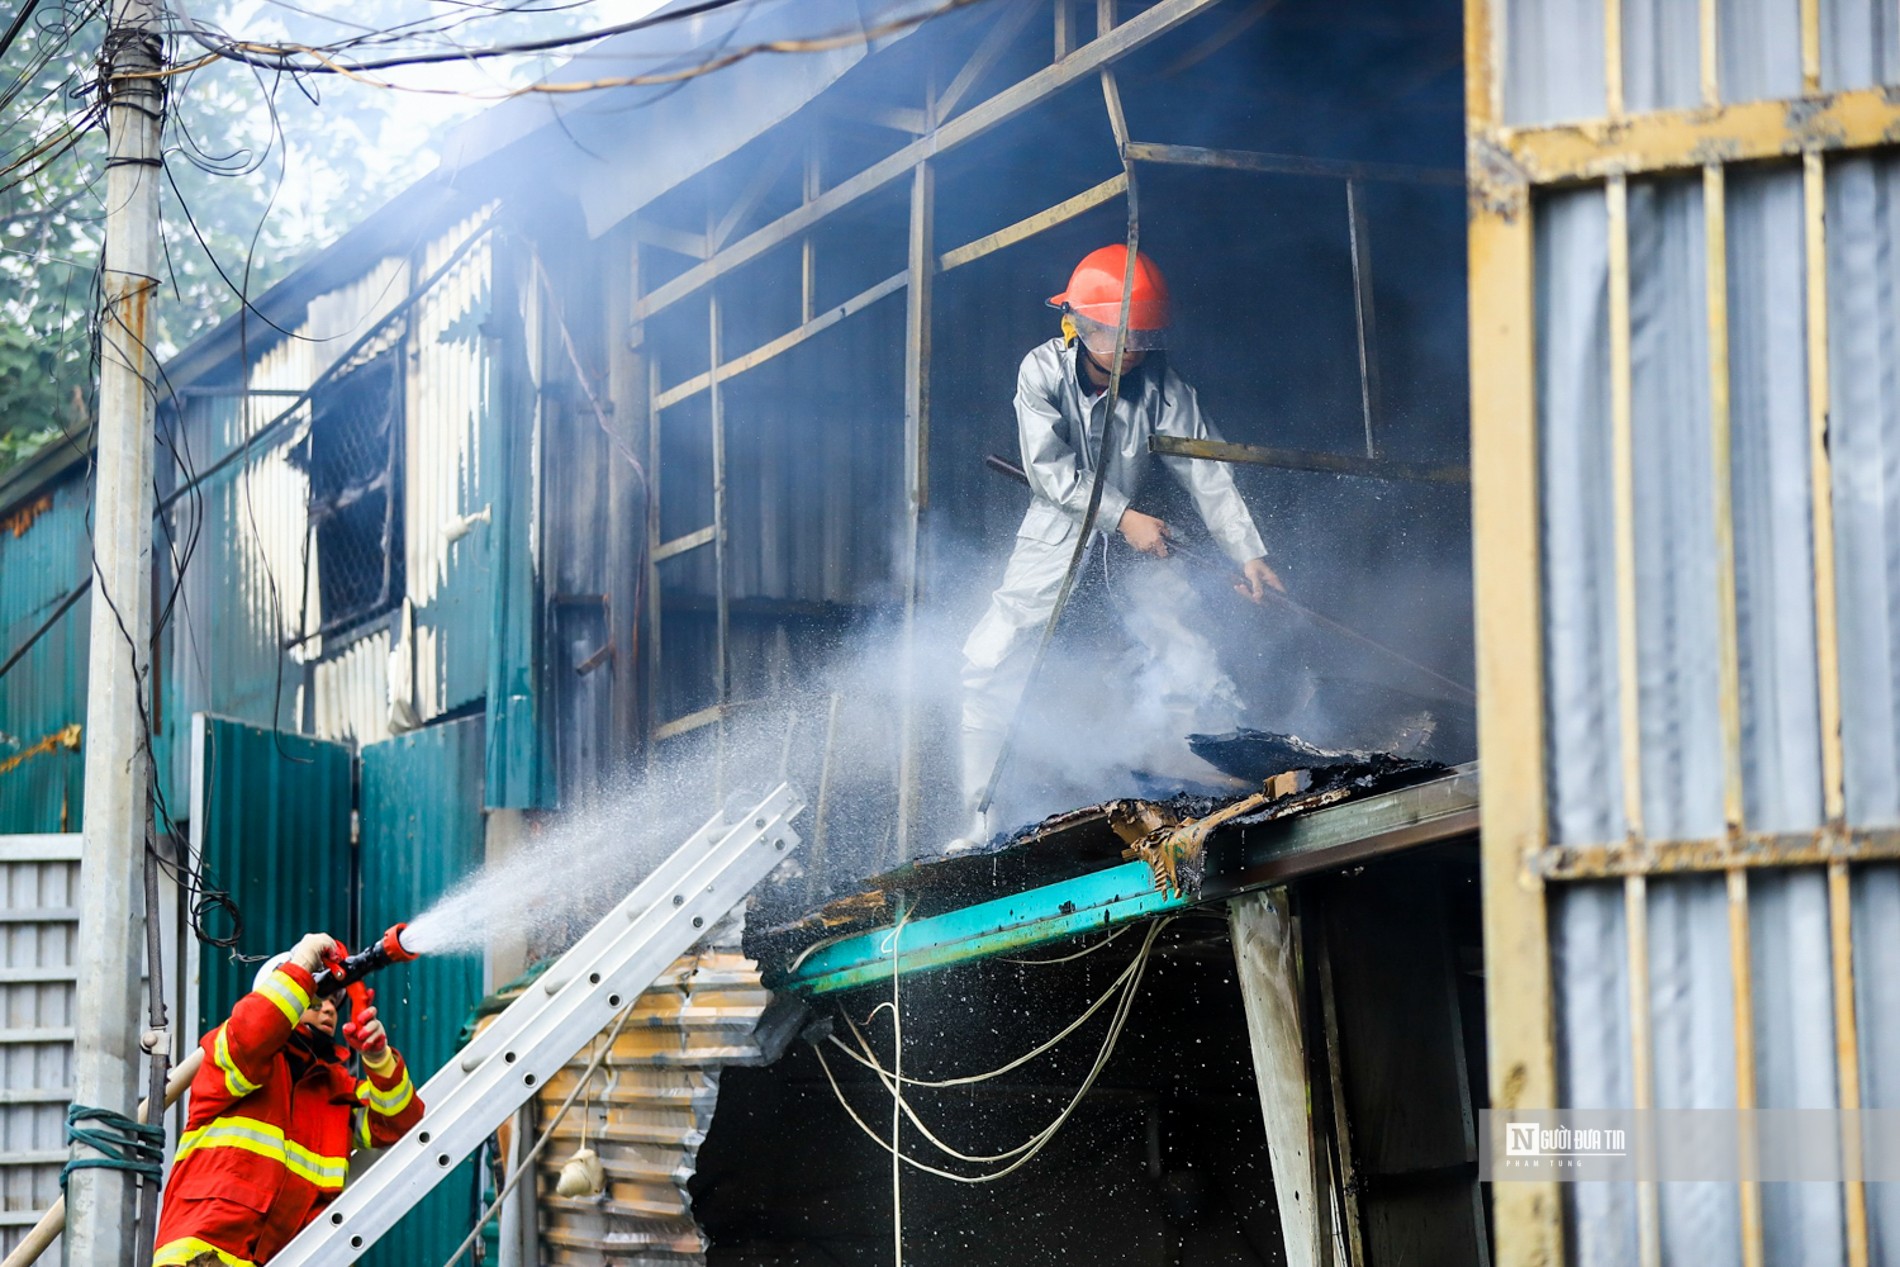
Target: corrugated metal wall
39 881
449 474
47 551
271 824
1555 72
421 834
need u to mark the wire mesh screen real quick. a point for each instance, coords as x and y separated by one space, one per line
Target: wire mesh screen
354 460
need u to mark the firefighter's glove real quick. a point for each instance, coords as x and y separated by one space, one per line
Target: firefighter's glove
365 1034
311 950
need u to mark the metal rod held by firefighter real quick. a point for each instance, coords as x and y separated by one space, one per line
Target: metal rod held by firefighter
1003 466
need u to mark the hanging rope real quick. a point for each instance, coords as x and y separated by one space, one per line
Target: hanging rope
122 1143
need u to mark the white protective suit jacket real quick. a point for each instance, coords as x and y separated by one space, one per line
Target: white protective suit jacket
1049 402
1153 598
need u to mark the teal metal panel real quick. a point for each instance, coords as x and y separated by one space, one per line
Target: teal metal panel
1239 859
43 554
421 833
273 828
518 771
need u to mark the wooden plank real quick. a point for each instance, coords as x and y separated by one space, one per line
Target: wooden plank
1528 1217
1827 647
1642 1057
40 974
1623 511
783 344
1289 164
969 125
1741 982
1748 850
1307 460
680 545
1840 902
39 915
1728 655
1028 227
1810 46
921 266
995 43
1688 138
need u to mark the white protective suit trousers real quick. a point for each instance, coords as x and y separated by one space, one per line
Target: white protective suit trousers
1173 670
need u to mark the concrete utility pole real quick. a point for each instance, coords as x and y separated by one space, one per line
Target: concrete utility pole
117 815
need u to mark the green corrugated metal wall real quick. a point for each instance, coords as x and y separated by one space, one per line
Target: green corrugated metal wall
46 690
421 833
276 837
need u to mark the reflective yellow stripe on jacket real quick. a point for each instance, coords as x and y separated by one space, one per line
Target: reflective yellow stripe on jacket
390 1102
235 1082
282 989
265 1140
185 1248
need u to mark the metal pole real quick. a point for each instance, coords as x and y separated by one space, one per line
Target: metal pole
117 816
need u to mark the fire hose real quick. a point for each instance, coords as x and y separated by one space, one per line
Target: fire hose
1003 466
342 971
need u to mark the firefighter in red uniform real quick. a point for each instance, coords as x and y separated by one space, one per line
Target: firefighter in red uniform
273 1116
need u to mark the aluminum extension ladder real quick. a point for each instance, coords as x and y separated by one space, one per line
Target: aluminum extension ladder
554 1018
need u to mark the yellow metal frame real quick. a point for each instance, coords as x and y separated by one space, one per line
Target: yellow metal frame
1507 166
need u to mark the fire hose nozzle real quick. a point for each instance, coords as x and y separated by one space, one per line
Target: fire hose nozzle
347 970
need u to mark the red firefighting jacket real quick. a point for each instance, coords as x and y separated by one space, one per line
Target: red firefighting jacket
269 1130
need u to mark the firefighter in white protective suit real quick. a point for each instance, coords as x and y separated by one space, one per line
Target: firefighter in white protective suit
1060 391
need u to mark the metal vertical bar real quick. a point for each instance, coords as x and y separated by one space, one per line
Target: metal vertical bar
1810 46
722 609
1370 402
1528 1217
1821 472
1715 247
1623 497
1642 1058
654 415
808 248
1847 1055
1741 984
923 264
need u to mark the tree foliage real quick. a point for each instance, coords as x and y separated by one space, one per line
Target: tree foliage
259 171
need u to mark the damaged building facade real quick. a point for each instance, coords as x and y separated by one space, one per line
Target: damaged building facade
637 458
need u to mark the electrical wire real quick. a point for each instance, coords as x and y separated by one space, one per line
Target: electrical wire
869 1061
1026 1151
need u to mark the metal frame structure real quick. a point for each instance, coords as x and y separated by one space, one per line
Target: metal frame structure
945 120
1508 166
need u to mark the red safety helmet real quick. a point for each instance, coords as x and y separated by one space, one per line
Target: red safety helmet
1094 296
